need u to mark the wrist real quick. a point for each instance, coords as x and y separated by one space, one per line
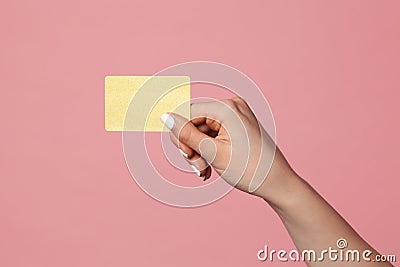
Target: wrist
284 190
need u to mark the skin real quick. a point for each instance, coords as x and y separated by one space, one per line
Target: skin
217 136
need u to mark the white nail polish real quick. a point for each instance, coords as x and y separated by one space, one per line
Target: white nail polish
195 170
168 121
183 153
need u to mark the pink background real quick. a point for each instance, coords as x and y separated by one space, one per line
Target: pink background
330 70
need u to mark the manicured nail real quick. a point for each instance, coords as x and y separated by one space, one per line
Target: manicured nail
195 170
168 121
183 153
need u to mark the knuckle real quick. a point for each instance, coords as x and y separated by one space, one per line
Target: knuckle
235 105
238 100
242 105
228 102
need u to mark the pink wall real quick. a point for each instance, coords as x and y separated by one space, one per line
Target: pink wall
330 71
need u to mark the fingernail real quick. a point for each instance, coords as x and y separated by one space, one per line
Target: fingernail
183 153
203 178
195 170
168 121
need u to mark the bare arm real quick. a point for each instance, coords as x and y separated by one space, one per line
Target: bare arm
314 225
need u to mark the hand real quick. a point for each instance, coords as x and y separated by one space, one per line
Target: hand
227 135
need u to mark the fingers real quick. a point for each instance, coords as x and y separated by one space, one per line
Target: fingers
188 134
200 166
185 150
205 128
219 116
196 162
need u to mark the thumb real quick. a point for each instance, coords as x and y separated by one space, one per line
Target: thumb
188 134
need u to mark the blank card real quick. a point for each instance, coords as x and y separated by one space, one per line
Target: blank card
135 103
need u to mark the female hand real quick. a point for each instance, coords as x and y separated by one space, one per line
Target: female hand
227 135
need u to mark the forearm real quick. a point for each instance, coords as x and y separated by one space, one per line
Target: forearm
311 222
